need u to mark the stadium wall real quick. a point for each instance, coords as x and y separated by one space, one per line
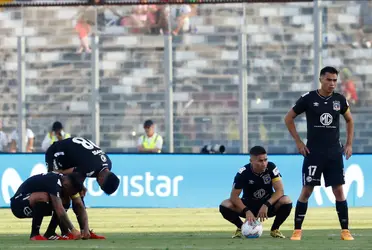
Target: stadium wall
187 181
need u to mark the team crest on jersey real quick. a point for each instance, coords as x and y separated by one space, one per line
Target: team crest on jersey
266 179
336 105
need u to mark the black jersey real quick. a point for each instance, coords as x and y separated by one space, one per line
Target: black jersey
50 183
78 153
257 186
323 118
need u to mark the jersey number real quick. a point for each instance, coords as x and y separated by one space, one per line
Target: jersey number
85 143
312 170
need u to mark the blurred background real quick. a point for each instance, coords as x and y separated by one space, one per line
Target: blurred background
203 73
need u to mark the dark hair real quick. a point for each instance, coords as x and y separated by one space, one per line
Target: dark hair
148 123
328 69
76 182
257 150
57 126
111 183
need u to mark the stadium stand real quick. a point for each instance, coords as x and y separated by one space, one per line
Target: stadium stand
205 70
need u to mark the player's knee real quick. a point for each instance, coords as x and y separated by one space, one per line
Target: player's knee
338 191
227 203
285 200
306 193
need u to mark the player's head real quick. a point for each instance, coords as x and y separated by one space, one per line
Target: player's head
72 183
258 158
149 127
328 79
110 183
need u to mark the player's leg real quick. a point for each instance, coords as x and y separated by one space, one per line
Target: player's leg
231 214
50 233
281 210
334 176
312 169
39 203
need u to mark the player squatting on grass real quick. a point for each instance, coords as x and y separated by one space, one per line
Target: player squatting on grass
257 181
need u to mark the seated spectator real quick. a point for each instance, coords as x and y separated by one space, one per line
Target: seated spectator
348 87
182 17
14 141
3 139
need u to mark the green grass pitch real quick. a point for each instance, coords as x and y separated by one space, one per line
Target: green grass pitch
203 229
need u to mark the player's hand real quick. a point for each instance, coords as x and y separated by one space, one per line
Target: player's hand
348 150
262 213
76 234
249 216
85 234
302 149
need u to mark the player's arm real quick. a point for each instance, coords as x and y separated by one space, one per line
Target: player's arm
278 190
349 127
289 122
235 199
81 213
62 215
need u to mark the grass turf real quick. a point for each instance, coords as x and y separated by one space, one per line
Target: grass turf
203 229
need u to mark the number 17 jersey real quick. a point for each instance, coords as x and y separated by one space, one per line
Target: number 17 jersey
78 153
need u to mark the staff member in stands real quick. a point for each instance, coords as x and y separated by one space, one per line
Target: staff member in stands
151 142
57 134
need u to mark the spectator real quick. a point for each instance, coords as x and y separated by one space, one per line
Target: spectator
365 25
151 142
56 134
182 16
348 87
14 141
3 139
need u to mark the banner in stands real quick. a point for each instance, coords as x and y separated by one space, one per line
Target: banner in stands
195 181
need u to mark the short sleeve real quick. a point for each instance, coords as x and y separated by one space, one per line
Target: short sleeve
344 105
54 184
300 105
30 134
140 141
159 142
239 179
13 135
274 172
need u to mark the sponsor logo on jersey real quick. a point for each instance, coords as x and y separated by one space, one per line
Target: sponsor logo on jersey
326 119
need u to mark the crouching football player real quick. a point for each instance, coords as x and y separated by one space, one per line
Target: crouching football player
257 181
40 195
82 156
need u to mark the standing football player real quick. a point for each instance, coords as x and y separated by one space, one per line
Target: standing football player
323 151
257 181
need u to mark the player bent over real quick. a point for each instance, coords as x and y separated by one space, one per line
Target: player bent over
40 195
82 156
257 181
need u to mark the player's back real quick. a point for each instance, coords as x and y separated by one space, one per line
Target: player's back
78 150
41 183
